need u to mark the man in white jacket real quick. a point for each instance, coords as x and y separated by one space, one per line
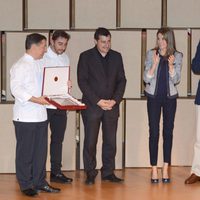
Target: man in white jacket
56 56
30 118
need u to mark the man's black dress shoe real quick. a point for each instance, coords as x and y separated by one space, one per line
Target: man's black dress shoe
49 189
89 180
112 178
60 178
30 192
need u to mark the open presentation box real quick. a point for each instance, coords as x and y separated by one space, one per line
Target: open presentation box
56 90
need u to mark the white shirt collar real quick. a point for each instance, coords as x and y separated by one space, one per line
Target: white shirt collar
52 53
28 57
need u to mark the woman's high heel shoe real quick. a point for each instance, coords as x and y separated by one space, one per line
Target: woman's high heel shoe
154 180
165 180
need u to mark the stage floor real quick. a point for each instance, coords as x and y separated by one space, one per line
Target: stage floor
136 186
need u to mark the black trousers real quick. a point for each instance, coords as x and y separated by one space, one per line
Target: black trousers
109 128
31 153
58 122
168 108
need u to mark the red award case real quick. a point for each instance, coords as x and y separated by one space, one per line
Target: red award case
56 90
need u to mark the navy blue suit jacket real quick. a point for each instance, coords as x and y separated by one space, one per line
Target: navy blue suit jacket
196 70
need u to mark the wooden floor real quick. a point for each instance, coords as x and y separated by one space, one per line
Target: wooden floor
137 186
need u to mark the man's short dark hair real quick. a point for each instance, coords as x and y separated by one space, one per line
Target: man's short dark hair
34 38
101 31
60 33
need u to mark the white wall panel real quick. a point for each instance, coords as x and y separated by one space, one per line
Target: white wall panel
183 13
7 141
90 14
181 45
195 41
140 14
151 39
48 14
137 154
184 133
11 15
80 41
128 43
137 134
69 144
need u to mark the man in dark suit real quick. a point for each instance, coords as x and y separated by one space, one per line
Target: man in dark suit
102 81
195 170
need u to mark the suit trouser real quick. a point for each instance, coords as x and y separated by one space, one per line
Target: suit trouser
168 108
58 122
196 159
109 129
31 153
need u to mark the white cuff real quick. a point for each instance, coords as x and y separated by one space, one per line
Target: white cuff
173 73
26 97
149 75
